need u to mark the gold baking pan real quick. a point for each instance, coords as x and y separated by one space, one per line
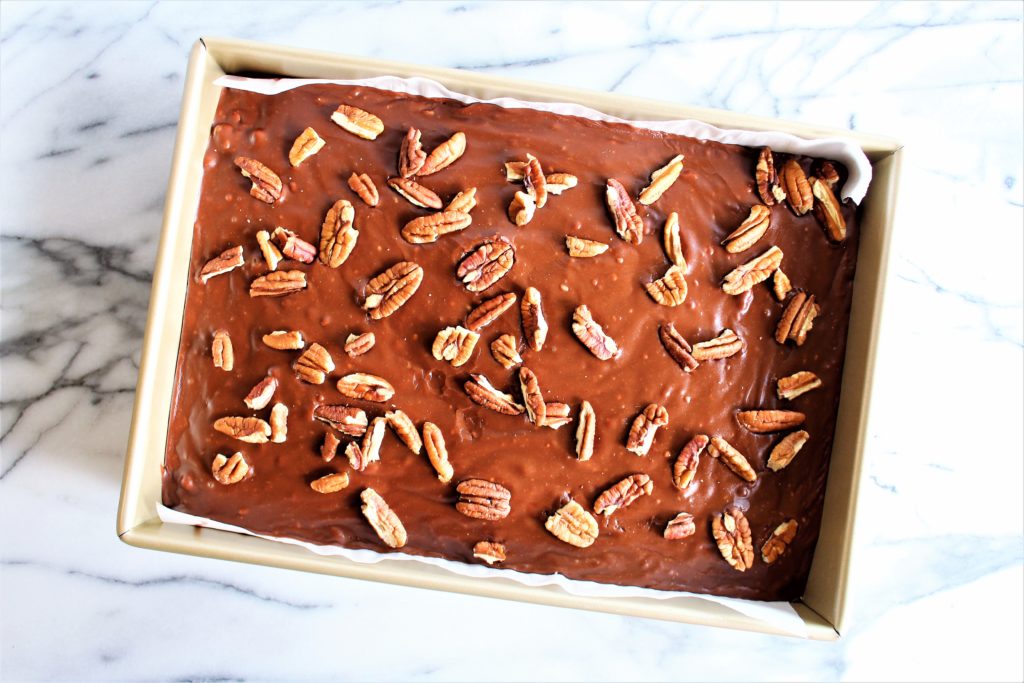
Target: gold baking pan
823 606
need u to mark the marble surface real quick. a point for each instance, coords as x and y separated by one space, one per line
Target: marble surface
89 98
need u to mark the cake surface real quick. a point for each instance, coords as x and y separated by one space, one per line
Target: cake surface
282 489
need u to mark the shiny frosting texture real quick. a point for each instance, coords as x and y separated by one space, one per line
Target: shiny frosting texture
538 465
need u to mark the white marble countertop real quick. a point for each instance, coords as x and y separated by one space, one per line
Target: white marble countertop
89 100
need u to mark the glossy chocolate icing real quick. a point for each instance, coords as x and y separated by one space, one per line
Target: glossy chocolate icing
713 195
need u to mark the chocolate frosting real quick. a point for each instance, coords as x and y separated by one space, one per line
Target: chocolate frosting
538 465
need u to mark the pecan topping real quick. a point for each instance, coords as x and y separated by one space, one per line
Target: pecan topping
686 464
797 319
248 429
388 291
583 248
337 236
828 174
383 519
463 202
586 431
828 211
279 423
515 170
481 391
358 122
222 351
293 246
724 345
627 222
556 415
673 242
415 194
405 430
364 387
486 264
645 426
670 289
488 311
426 229
306 145
557 183
535 182
534 324
259 396
271 254
719 448
677 347
732 534
284 340
756 270
505 350
750 231
521 209
329 449
437 452
369 450
767 179
489 552
797 384
266 185
661 180
798 190
314 364
363 186
330 483
358 344
623 493
780 540
411 155
482 499
445 154
346 419
278 283
573 525
681 526
536 409
781 285
227 261
227 470
455 345
786 449
590 333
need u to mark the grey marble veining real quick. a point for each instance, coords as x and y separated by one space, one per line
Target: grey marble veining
89 99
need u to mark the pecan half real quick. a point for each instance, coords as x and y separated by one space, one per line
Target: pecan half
227 470
463 202
306 145
661 180
781 286
369 450
405 430
797 384
437 452
358 122
627 222
337 236
685 468
681 526
445 154
754 271
278 283
293 246
535 182
247 429
481 391
284 340
487 263
259 396
388 291
358 344
827 210
797 320
482 499
329 449
271 254
673 241
798 190
455 345
828 174
573 525
486 312
222 351
365 189
732 534
383 519
720 449
592 335
314 364
521 209
767 421
767 178
415 194
426 229
586 432
556 415
365 387
227 261
786 449
266 185
534 324
670 289
644 427
505 350
750 231
533 399
623 493
557 183
346 419
677 347
583 248
279 423
411 155
330 483
775 546
724 345
489 551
